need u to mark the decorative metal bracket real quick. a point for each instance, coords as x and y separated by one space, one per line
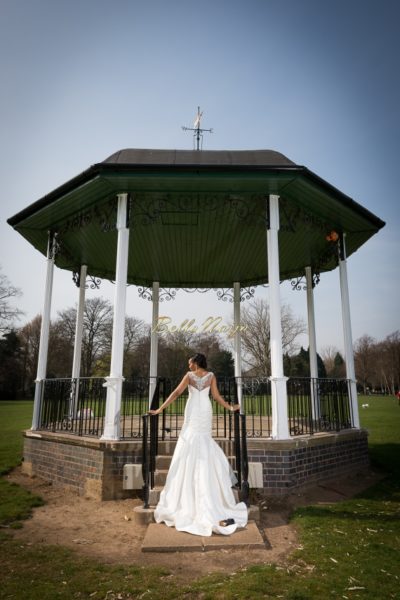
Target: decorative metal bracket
200 290
298 283
164 294
54 245
95 281
226 294
316 278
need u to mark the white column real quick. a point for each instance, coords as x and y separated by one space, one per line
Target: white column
115 379
348 338
312 346
280 425
76 361
45 330
237 340
154 340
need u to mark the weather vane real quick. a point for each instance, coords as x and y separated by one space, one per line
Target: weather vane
198 130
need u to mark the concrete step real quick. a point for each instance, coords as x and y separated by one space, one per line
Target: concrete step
160 538
144 516
166 448
163 462
160 477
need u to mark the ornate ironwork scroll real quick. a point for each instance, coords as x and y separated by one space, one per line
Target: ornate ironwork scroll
291 216
316 279
164 294
95 281
76 278
145 293
105 216
298 283
167 294
226 294
200 290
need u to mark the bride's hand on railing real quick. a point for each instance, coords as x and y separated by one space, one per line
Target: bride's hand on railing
235 407
154 412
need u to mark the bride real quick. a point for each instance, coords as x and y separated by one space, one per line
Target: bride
198 496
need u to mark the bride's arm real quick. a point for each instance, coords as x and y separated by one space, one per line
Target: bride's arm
173 395
218 398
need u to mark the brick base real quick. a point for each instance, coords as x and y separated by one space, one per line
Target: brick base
91 467
290 464
94 468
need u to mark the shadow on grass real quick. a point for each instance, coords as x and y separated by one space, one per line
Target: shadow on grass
16 503
378 503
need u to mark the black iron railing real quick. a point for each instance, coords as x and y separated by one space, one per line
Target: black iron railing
318 405
78 406
150 445
134 403
73 405
256 405
240 444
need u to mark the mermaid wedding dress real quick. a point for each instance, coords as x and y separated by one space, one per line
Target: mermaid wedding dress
198 490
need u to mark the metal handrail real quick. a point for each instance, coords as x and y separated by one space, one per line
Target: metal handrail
150 446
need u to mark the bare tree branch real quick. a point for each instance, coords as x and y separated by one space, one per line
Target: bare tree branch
8 313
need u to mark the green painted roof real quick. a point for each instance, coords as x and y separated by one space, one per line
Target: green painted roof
197 218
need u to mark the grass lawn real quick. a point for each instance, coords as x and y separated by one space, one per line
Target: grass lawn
348 550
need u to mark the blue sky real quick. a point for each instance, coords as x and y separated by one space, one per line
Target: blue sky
317 81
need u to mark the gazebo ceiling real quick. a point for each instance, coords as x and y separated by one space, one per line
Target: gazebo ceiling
197 218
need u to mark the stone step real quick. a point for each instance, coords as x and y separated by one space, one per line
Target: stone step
160 538
160 477
163 462
144 516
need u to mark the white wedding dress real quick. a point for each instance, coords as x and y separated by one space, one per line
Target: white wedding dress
198 490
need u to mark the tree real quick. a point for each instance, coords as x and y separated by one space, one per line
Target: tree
328 354
29 337
97 331
255 335
364 360
299 365
8 313
388 362
339 367
10 366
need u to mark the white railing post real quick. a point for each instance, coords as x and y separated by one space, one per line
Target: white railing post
347 334
154 341
112 425
312 347
280 424
52 247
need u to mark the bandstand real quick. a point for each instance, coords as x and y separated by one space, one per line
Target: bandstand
168 220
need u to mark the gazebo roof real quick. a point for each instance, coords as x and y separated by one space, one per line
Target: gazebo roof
197 218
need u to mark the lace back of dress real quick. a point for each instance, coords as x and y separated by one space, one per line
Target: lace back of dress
200 382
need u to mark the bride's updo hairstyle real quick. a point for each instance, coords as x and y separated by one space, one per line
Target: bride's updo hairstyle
200 360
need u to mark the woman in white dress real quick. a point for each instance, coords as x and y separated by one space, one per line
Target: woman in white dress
198 497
